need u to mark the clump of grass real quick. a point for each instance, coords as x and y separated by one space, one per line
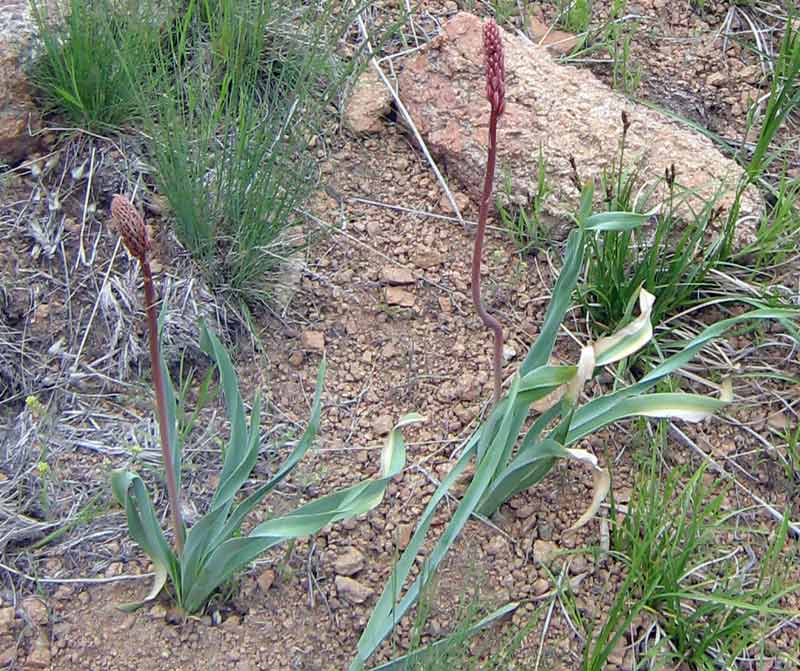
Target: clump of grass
95 59
668 262
249 86
704 610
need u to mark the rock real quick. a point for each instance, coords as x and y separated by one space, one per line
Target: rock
404 533
313 340
396 276
540 586
19 45
369 101
7 656
36 610
426 259
544 551
383 425
266 579
462 200
352 590
40 653
349 563
296 359
158 611
497 546
565 110
400 297
557 41
7 617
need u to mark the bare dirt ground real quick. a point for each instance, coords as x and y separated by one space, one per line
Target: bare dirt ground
390 350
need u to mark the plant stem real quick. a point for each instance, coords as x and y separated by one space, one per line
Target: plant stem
161 404
488 320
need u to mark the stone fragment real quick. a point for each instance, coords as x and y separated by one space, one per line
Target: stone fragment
350 562
404 533
313 340
7 617
383 424
544 551
540 586
18 48
367 104
400 297
557 41
40 653
569 113
396 276
426 259
266 579
36 610
352 590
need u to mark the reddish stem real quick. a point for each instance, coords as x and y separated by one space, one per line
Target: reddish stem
161 403
488 320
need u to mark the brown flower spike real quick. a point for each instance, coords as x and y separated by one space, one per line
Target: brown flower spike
495 94
131 228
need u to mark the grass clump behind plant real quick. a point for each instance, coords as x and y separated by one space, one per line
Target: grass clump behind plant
702 605
96 57
232 146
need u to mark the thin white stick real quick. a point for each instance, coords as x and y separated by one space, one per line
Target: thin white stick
794 529
409 121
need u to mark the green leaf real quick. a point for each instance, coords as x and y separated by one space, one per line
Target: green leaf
386 612
238 443
615 221
407 662
129 490
234 553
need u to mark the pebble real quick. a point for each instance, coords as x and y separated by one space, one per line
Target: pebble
350 562
396 276
352 590
313 340
543 551
36 610
400 297
266 579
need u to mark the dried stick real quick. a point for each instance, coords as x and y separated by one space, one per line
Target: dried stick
495 93
133 232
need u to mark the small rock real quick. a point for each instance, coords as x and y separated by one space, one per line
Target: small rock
369 101
7 617
426 260
578 565
540 586
314 340
8 655
352 590
461 199
404 533
36 610
159 611
266 579
349 563
400 297
114 569
496 546
396 276
174 616
509 353
716 79
296 359
383 425
40 654
543 551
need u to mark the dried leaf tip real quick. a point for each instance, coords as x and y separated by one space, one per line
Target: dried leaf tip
130 226
495 67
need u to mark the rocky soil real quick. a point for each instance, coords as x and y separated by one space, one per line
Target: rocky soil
384 294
